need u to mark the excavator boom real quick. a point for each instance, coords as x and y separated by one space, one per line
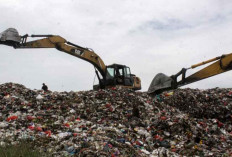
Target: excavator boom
223 64
162 82
11 37
54 41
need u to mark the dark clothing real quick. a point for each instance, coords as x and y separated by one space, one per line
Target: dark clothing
44 87
198 138
135 111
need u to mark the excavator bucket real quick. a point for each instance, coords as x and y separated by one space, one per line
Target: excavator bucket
10 37
160 83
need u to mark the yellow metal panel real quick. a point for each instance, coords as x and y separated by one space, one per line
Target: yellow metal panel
216 68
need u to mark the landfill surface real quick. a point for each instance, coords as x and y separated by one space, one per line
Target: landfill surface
118 122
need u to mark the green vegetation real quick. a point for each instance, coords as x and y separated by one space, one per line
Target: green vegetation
21 150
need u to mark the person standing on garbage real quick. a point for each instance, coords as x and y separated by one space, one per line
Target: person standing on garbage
45 87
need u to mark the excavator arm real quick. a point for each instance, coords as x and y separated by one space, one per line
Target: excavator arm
54 41
223 64
162 82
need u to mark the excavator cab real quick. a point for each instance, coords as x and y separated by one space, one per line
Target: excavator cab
118 75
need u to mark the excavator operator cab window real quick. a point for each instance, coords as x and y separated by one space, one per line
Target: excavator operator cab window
119 72
127 77
127 72
110 73
110 76
119 75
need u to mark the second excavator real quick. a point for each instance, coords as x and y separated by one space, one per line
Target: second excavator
110 76
162 82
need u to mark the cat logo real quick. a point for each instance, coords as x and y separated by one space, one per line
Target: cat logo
77 52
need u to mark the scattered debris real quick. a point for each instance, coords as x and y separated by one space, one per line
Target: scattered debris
118 122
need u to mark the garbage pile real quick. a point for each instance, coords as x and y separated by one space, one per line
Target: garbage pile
118 122
211 103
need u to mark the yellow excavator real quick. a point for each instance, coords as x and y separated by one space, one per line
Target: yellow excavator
116 74
110 76
162 82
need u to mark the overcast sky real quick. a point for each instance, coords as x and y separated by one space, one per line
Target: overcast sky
149 36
